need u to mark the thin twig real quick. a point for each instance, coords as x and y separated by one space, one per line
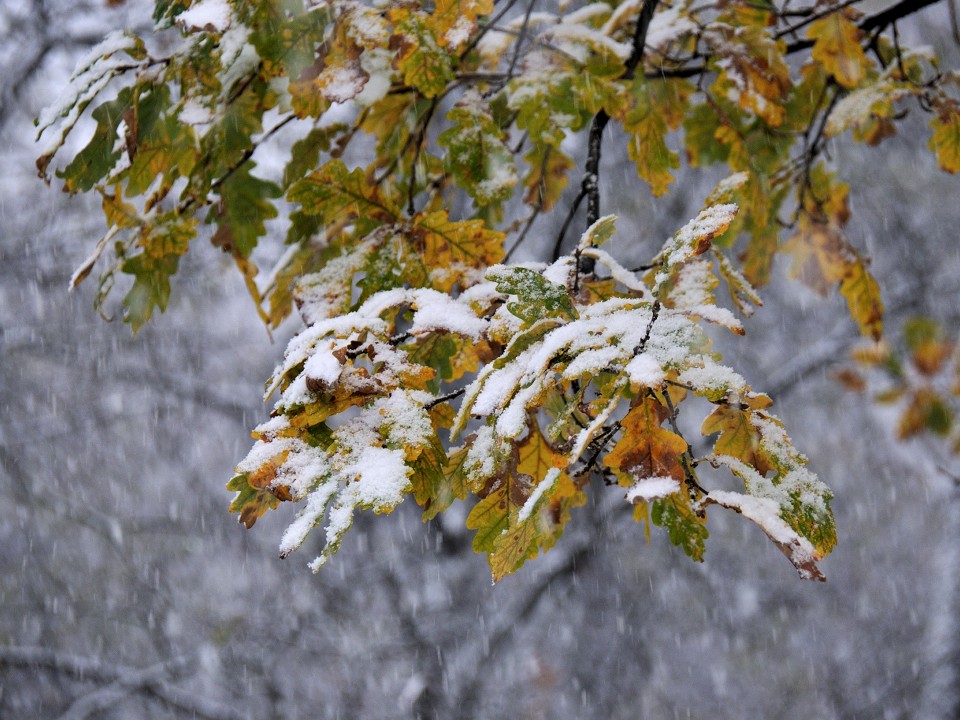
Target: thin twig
421 136
444 398
574 206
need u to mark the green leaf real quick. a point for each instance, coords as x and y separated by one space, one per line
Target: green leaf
335 194
549 98
489 517
160 145
454 486
700 128
285 34
536 297
101 154
250 503
151 286
477 156
230 140
685 528
305 153
813 521
428 480
598 233
243 208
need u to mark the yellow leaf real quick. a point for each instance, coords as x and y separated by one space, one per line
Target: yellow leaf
826 200
822 257
819 260
419 55
118 213
862 294
753 64
452 247
946 139
837 46
489 519
548 176
454 21
647 147
738 437
527 511
263 476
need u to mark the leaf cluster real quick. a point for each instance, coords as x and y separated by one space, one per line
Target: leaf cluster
425 142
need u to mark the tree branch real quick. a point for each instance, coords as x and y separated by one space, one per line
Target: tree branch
590 185
881 20
109 695
140 680
510 621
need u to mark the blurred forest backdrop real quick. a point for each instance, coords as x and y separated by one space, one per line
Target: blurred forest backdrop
127 590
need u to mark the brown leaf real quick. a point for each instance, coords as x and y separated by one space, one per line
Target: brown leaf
645 449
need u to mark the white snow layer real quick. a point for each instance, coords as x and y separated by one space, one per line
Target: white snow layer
207 15
651 488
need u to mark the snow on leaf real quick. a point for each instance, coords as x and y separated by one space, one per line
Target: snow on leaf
752 66
93 73
426 65
620 274
863 108
777 471
692 292
691 240
477 156
599 232
454 21
545 99
742 292
651 488
212 15
668 24
598 52
366 463
343 76
536 297
766 514
95 161
644 371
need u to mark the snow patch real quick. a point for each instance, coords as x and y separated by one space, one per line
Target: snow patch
206 15
651 488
